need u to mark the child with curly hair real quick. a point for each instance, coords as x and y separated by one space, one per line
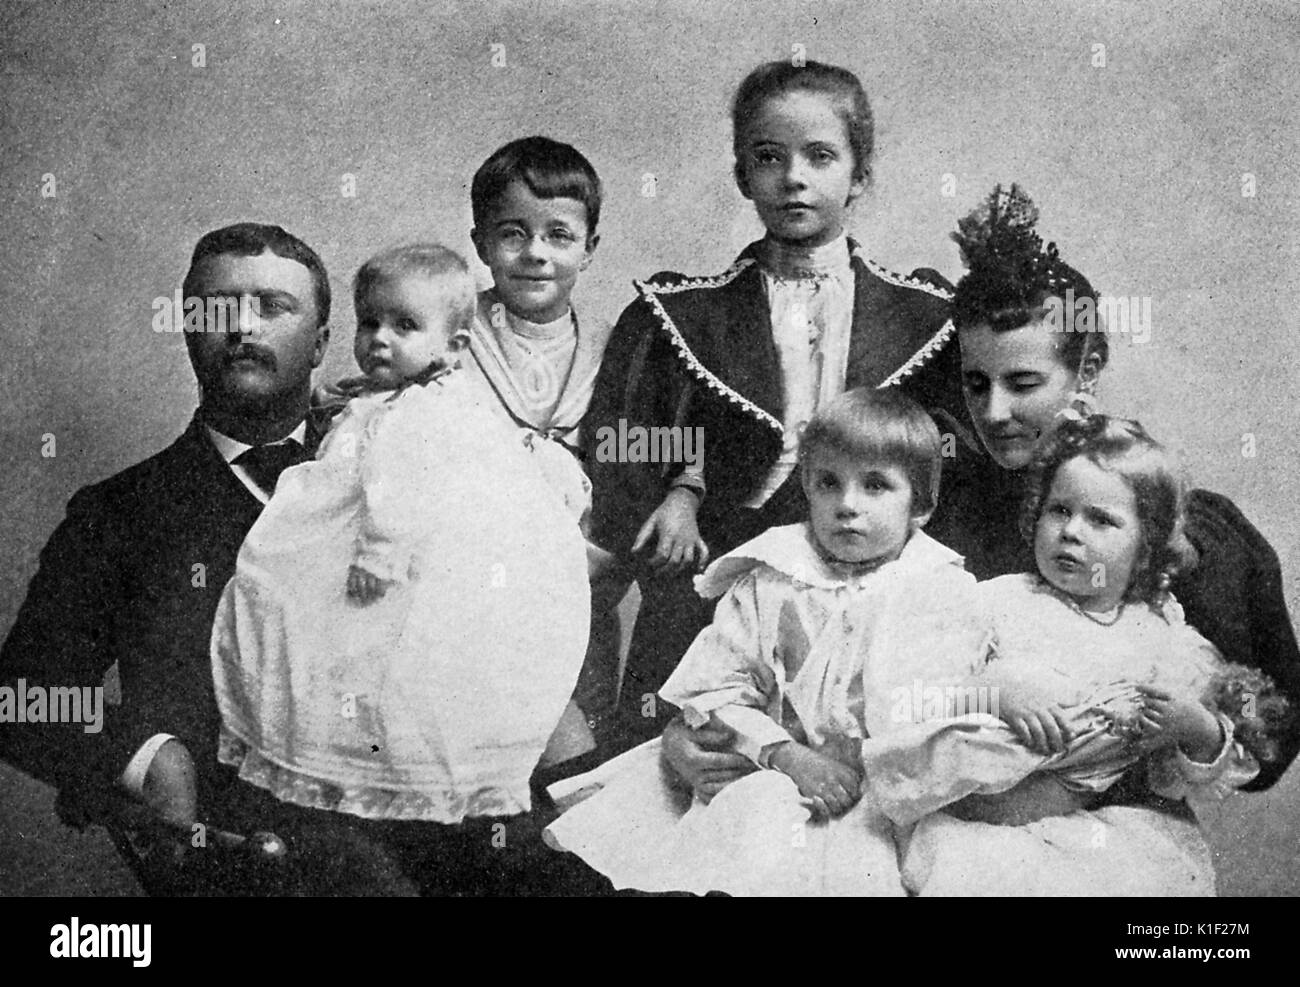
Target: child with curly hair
1095 674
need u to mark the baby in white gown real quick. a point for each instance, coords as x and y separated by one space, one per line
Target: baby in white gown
409 614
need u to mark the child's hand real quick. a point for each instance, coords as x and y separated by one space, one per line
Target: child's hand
678 544
832 787
1165 721
1040 725
365 587
335 396
846 750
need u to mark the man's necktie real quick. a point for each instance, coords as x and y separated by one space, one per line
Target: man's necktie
264 464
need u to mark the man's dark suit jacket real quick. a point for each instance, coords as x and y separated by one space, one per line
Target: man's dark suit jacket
133 575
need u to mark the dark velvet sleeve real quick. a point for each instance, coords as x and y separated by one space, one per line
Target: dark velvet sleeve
639 385
1234 598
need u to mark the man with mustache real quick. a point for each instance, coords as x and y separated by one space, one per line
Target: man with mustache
133 573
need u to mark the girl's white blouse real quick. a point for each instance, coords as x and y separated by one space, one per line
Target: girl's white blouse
810 298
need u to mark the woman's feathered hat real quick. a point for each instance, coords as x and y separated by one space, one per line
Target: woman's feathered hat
1009 268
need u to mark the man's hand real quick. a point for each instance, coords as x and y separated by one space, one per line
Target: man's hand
365 587
704 758
169 788
1166 720
832 787
678 545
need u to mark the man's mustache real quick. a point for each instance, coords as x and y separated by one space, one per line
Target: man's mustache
247 351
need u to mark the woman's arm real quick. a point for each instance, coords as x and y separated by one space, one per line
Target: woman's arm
1234 598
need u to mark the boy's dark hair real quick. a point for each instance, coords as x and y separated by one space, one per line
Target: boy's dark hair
551 170
882 424
775 79
429 260
251 239
1011 277
1122 447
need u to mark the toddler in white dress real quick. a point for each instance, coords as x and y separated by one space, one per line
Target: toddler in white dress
819 627
1093 674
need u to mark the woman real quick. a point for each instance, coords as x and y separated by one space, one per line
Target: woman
1020 371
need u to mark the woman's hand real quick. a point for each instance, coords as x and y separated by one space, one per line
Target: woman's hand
704 758
1040 725
1166 720
832 787
678 545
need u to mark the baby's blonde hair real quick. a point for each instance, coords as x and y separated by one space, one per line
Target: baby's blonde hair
430 260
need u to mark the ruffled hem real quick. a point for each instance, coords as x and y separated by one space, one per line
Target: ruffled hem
368 802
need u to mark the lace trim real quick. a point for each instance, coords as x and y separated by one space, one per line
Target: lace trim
935 342
288 785
921 356
711 281
650 290
902 280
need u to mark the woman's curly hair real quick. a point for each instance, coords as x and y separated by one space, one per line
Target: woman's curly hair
1123 447
1011 275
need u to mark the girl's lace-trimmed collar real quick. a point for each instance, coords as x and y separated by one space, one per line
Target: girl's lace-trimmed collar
789 263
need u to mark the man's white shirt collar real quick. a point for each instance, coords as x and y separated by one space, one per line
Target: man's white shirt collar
231 449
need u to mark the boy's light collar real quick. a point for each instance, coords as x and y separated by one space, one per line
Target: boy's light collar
503 318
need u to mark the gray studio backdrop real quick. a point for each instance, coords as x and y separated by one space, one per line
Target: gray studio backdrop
1157 138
